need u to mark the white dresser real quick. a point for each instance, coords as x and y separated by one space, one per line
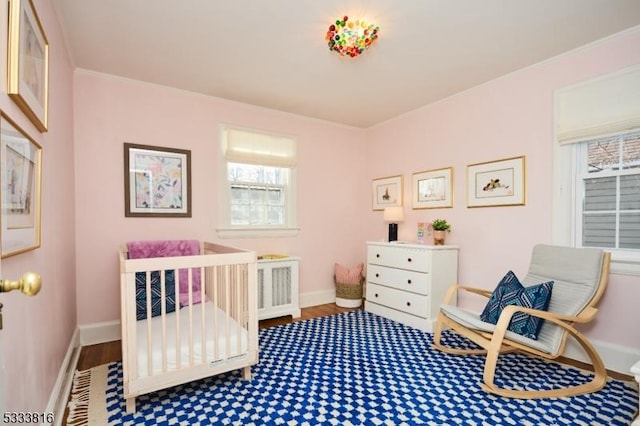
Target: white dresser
407 282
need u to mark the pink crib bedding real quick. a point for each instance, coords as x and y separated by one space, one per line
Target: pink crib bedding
168 248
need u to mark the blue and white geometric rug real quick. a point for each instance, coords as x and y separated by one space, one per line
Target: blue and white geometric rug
358 368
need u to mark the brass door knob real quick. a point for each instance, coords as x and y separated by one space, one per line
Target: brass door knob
29 284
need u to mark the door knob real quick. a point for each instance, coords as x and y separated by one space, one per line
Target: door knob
29 284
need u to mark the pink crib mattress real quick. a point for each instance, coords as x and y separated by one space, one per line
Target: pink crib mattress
224 338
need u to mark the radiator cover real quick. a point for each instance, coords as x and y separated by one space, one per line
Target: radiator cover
278 288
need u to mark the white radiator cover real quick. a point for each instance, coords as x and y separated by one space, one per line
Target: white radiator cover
278 294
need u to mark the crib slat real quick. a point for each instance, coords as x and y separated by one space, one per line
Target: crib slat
215 297
163 314
149 332
203 342
178 325
190 307
239 280
227 304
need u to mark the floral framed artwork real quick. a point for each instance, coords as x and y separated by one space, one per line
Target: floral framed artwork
20 186
496 183
28 63
157 181
432 189
386 192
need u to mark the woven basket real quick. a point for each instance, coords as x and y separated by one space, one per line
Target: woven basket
349 291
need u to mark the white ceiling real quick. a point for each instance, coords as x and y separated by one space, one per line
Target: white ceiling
272 53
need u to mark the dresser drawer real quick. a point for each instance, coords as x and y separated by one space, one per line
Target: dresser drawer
400 300
399 257
416 282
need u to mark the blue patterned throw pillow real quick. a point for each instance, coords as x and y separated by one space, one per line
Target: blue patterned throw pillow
511 292
494 307
156 295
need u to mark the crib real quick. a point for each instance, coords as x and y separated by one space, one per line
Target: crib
186 314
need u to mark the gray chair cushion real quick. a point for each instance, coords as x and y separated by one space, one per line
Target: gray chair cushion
576 275
472 320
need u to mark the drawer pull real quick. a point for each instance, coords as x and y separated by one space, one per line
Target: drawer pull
377 254
408 281
377 275
408 303
409 260
376 295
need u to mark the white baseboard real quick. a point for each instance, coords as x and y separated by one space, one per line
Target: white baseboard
100 332
615 357
58 398
317 298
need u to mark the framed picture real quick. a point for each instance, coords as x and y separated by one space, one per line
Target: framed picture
157 181
496 183
20 185
387 192
432 189
28 63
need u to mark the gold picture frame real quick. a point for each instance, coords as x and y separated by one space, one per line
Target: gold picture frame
432 189
496 183
20 186
386 192
157 181
28 63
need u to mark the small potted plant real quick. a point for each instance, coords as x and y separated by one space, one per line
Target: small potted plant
440 228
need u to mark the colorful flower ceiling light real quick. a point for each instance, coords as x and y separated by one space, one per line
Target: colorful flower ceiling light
351 38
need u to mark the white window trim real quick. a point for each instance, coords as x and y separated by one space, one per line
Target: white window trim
224 230
623 262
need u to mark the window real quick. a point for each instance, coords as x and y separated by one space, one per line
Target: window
258 194
596 201
257 184
608 190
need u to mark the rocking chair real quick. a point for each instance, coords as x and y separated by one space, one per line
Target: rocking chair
580 276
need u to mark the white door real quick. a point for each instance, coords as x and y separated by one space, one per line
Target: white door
2 382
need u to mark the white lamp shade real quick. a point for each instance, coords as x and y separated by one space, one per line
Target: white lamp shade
394 214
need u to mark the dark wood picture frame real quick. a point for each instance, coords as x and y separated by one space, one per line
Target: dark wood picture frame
157 181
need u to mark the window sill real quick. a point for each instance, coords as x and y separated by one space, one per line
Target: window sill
257 232
625 265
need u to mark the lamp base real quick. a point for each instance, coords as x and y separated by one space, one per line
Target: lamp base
393 232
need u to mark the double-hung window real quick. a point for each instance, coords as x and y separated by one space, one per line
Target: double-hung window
597 167
609 181
257 184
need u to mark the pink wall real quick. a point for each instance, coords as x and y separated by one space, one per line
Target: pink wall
110 111
511 116
37 330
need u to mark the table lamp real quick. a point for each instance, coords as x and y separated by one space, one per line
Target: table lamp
393 215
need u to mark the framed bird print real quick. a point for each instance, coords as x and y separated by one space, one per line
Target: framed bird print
496 183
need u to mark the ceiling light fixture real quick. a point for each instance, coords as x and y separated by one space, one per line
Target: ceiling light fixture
351 38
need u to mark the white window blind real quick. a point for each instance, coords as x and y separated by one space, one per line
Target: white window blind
598 108
250 147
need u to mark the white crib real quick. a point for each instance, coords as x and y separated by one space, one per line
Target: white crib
166 343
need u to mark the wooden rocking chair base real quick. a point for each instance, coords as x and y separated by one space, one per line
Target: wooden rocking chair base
493 342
